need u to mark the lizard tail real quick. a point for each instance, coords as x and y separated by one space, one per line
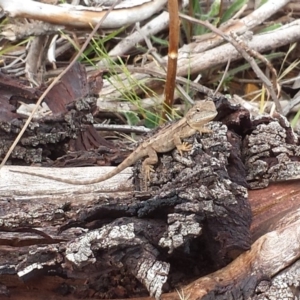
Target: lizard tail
72 181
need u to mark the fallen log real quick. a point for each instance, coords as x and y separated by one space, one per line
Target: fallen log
110 240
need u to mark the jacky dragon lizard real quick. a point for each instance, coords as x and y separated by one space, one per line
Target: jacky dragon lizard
164 141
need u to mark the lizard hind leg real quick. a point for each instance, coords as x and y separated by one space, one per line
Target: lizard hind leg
147 166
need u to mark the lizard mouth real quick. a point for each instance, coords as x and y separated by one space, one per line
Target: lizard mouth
198 123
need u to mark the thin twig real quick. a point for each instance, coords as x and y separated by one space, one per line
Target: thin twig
244 53
223 76
291 104
54 82
151 50
256 54
122 128
242 48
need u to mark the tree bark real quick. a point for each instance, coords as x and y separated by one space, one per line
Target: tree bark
110 240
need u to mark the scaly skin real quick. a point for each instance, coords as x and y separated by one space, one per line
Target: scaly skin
164 141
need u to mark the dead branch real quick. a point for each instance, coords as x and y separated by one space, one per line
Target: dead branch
79 16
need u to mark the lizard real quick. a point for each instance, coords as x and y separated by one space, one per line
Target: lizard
163 141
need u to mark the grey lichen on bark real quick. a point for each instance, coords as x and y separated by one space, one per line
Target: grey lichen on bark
271 152
146 267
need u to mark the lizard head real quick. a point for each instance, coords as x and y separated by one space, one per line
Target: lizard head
201 113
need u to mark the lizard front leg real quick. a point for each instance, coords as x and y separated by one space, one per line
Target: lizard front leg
148 163
204 129
181 146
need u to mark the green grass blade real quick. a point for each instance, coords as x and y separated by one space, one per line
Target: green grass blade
232 9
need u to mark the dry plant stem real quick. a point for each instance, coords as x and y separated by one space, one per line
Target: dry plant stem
195 63
21 58
172 55
190 61
271 87
122 128
182 80
258 72
156 73
151 50
241 47
263 42
112 105
253 19
223 76
292 106
52 85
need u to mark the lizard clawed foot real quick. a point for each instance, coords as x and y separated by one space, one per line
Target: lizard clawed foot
184 147
147 169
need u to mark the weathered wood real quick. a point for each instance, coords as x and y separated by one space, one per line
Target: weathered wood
191 202
268 256
26 187
194 220
250 274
